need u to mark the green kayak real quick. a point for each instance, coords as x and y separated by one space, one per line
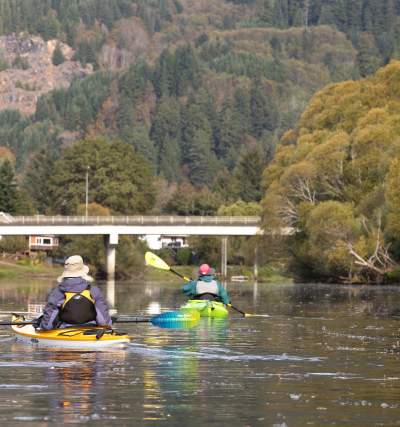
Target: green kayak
207 308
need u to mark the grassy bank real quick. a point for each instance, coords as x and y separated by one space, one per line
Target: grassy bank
267 274
17 270
27 269
154 275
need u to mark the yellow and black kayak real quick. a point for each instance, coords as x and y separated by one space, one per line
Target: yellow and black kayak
80 337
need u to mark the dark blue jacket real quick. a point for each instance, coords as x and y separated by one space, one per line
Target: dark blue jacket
56 299
190 288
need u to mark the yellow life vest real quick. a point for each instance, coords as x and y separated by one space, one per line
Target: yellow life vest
85 293
78 308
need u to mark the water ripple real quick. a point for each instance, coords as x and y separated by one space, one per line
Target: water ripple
178 353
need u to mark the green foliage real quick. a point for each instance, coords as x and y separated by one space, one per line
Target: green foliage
175 73
77 106
129 254
329 184
188 200
129 259
91 248
13 200
8 188
13 244
248 175
240 208
119 178
196 110
51 19
206 250
183 256
58 56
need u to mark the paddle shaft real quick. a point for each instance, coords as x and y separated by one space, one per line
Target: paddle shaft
187 279
16 323
130 320
236 309
136 319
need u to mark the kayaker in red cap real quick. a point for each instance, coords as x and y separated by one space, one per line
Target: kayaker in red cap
206 287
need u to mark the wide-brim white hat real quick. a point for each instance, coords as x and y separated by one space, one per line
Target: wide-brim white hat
74 267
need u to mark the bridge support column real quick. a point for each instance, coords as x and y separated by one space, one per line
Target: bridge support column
224 257
255 269
111 244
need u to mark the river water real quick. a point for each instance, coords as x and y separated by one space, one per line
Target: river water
327 355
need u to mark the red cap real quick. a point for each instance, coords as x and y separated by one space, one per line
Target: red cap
204 269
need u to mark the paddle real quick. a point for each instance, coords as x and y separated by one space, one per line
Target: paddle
154 261
169 319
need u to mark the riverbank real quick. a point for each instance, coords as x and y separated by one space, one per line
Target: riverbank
267 274
20 270
29 269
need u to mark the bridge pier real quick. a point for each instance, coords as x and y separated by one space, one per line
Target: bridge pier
224 257
111 242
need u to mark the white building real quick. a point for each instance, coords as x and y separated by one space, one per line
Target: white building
157 241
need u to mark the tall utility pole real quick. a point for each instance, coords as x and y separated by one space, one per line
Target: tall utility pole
87 191
306 10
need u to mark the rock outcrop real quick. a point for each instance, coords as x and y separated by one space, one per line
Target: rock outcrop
30 71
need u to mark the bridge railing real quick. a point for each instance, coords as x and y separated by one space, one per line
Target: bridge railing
132 220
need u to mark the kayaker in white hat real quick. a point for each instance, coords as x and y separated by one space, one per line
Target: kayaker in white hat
75 301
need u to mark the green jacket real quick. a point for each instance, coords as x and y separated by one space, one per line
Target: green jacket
190 289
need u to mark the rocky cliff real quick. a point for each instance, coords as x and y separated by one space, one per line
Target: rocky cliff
28 71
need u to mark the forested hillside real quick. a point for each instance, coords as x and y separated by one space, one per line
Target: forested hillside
200 91
335 179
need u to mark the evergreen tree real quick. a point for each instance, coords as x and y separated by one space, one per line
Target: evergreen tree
165 133
248 174
138 137
281 13
8 188
58 57
169 160
367 56
230 136
194 119
263 110
266 15
37 179
199 159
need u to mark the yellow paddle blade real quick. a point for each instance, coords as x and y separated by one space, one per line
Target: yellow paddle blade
156 262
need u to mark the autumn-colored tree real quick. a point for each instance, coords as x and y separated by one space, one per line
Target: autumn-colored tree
337 185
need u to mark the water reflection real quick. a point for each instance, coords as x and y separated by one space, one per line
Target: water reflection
81 389
75 399
110 293
325 357
179 372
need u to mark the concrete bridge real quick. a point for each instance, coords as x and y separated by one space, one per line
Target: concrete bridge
113 226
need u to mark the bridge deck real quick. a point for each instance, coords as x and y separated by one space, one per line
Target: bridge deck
131 220
131 225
